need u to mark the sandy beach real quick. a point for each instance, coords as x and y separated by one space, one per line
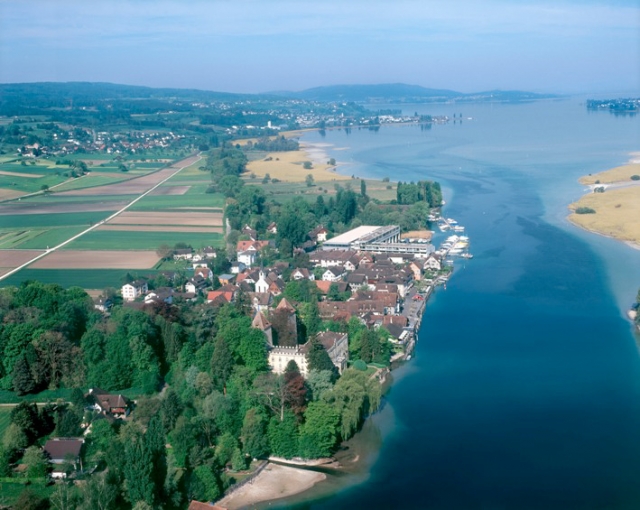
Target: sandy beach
274 482
617 209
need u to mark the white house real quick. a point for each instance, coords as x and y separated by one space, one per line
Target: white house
248 258
131 291
333 274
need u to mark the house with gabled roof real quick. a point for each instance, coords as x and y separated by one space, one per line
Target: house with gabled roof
111 404
135 289
62 450
220 296
302 274
333 274
183 254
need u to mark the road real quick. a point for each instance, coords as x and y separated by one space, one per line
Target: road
93 227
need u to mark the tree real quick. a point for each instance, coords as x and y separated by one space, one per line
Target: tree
318 434
36 462
154 442
283 436
221 364
307 165
363 188
319 382
254 433
309 180
318 358
295 390
31 500
331 162
23 382
63 498
164 251
203 484
25 417
138 471
170 409
100 491
253 350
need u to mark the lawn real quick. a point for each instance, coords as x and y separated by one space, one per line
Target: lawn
85 278
135 240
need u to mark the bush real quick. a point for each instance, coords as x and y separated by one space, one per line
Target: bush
360 365
635 177
585 210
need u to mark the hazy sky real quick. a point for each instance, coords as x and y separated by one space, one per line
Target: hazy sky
264 45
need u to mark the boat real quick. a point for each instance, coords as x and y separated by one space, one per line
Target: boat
467 255
458 228
451 221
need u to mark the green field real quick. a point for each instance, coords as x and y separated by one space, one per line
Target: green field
43 239
123 240
158 202
22 221
71 199
29 185
85 278
89 181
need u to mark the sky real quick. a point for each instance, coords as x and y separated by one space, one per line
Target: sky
553 46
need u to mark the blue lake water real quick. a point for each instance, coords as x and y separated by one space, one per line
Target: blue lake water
524 392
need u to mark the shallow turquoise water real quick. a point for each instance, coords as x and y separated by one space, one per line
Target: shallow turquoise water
525 388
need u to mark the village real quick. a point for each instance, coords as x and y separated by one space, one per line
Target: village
382 284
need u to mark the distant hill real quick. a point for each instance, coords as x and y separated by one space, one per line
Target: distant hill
18 98
371 92
403 93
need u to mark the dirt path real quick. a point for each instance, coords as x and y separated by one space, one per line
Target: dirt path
184 164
